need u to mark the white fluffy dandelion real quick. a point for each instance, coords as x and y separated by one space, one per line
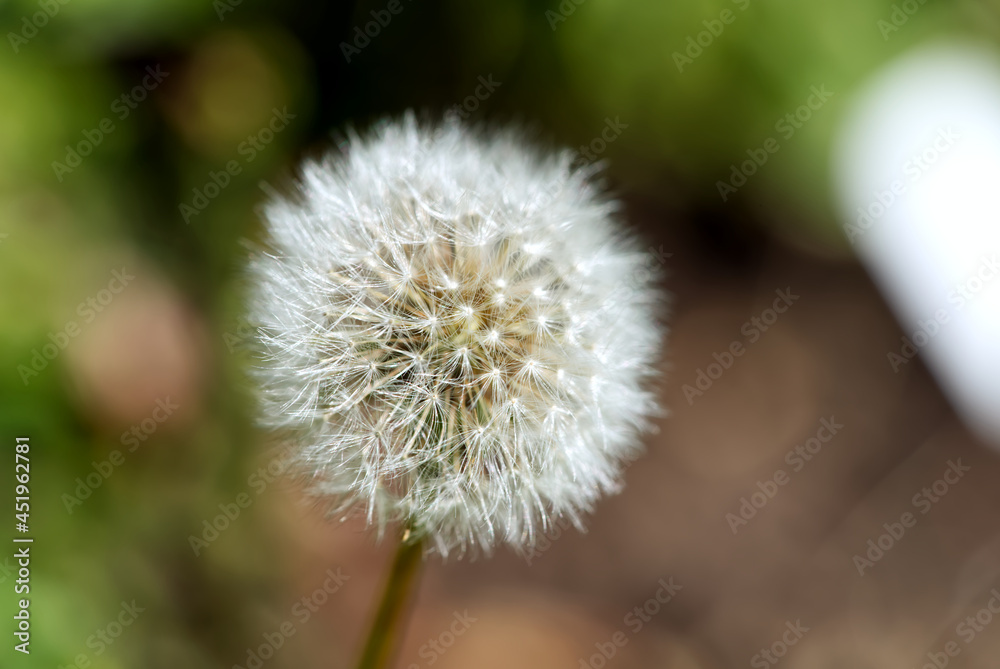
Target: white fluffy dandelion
458 331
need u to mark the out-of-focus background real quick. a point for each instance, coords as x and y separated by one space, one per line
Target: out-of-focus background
138 137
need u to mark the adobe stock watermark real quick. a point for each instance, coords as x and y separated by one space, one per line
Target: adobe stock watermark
223 7
301 612
770 656
752 330
697 44
8 569
121 108
652 260
471 103
912 170
557 528
248 149
967 630
547 538
611 131
30 25
589 154
635 620
239 337
964 292
786 126
87 310
618 300
973 625
434 648
362 38
797 458
564 11
133 438
923 502
257 482
898 17
105 637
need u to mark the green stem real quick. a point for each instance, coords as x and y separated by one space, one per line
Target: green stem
383 637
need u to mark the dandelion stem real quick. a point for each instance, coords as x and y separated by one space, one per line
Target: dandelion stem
386 631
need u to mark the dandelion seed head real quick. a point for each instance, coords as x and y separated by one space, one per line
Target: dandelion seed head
430 339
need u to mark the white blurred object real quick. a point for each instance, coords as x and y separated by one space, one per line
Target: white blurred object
917 169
